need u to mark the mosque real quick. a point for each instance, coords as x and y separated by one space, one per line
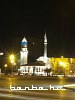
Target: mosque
37 68
45 66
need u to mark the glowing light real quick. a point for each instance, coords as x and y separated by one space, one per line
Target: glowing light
5 65
14 64
62 64
1 53
12 58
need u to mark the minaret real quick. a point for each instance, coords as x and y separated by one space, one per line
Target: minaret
45 46
23 52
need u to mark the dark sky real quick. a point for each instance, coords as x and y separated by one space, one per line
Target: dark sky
30 18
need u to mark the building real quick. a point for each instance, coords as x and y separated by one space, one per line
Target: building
45 66
63 66
37 68
23 52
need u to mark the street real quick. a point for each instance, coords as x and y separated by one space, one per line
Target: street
28 81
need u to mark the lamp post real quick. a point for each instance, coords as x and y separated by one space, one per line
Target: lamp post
5 67
12 60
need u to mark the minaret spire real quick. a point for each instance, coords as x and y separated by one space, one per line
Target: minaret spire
45 46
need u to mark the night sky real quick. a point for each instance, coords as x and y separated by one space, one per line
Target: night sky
31 18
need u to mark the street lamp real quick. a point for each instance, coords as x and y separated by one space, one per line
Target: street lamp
12 60
63 64
5 67
1 53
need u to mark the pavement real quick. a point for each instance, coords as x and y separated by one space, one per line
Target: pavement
7 94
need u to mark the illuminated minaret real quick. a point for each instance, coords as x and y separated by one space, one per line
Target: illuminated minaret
23 52
45 46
